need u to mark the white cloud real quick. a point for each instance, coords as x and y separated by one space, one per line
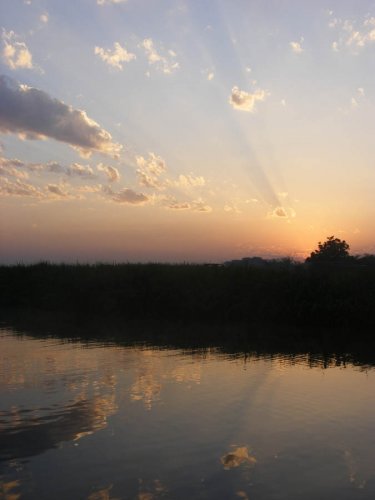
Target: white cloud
112 173
155 164
115 57
352 34
297 46
231 208
15 54
167 65
151 52
33 114
109 2
200 206
287 213
355 101
283 194
245 101
149 170
334 22
148 181
186 181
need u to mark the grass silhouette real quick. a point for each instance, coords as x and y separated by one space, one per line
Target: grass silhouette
281 292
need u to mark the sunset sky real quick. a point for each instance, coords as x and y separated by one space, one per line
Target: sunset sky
196 130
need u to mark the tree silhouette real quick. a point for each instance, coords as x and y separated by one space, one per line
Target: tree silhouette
332 250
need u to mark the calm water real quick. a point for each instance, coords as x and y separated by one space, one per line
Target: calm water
102 421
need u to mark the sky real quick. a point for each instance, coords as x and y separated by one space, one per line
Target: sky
185 130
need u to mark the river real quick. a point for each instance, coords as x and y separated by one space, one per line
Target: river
99 420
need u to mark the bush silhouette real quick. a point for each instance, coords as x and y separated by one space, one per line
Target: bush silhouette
332 250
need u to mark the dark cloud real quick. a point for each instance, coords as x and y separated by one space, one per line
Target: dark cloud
57 190
15 168
77 170
126 195
129 196
19 188
34 114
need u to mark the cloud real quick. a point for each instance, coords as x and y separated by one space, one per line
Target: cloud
172 204
186 181
9 171
352 34
210 76
129 196
154 165
15 54
149 181
245 101
297 46
167 65
282 212
77 170
11 168
90 189
334 22
16 168
15 164
115 57
112 173
149 170
231 208
19 188
56 190
200 206
44 18
33 114
355 100
279 212
109 2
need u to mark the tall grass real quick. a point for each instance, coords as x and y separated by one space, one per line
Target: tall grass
281 293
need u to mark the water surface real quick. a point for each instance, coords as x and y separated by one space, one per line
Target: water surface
98 420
